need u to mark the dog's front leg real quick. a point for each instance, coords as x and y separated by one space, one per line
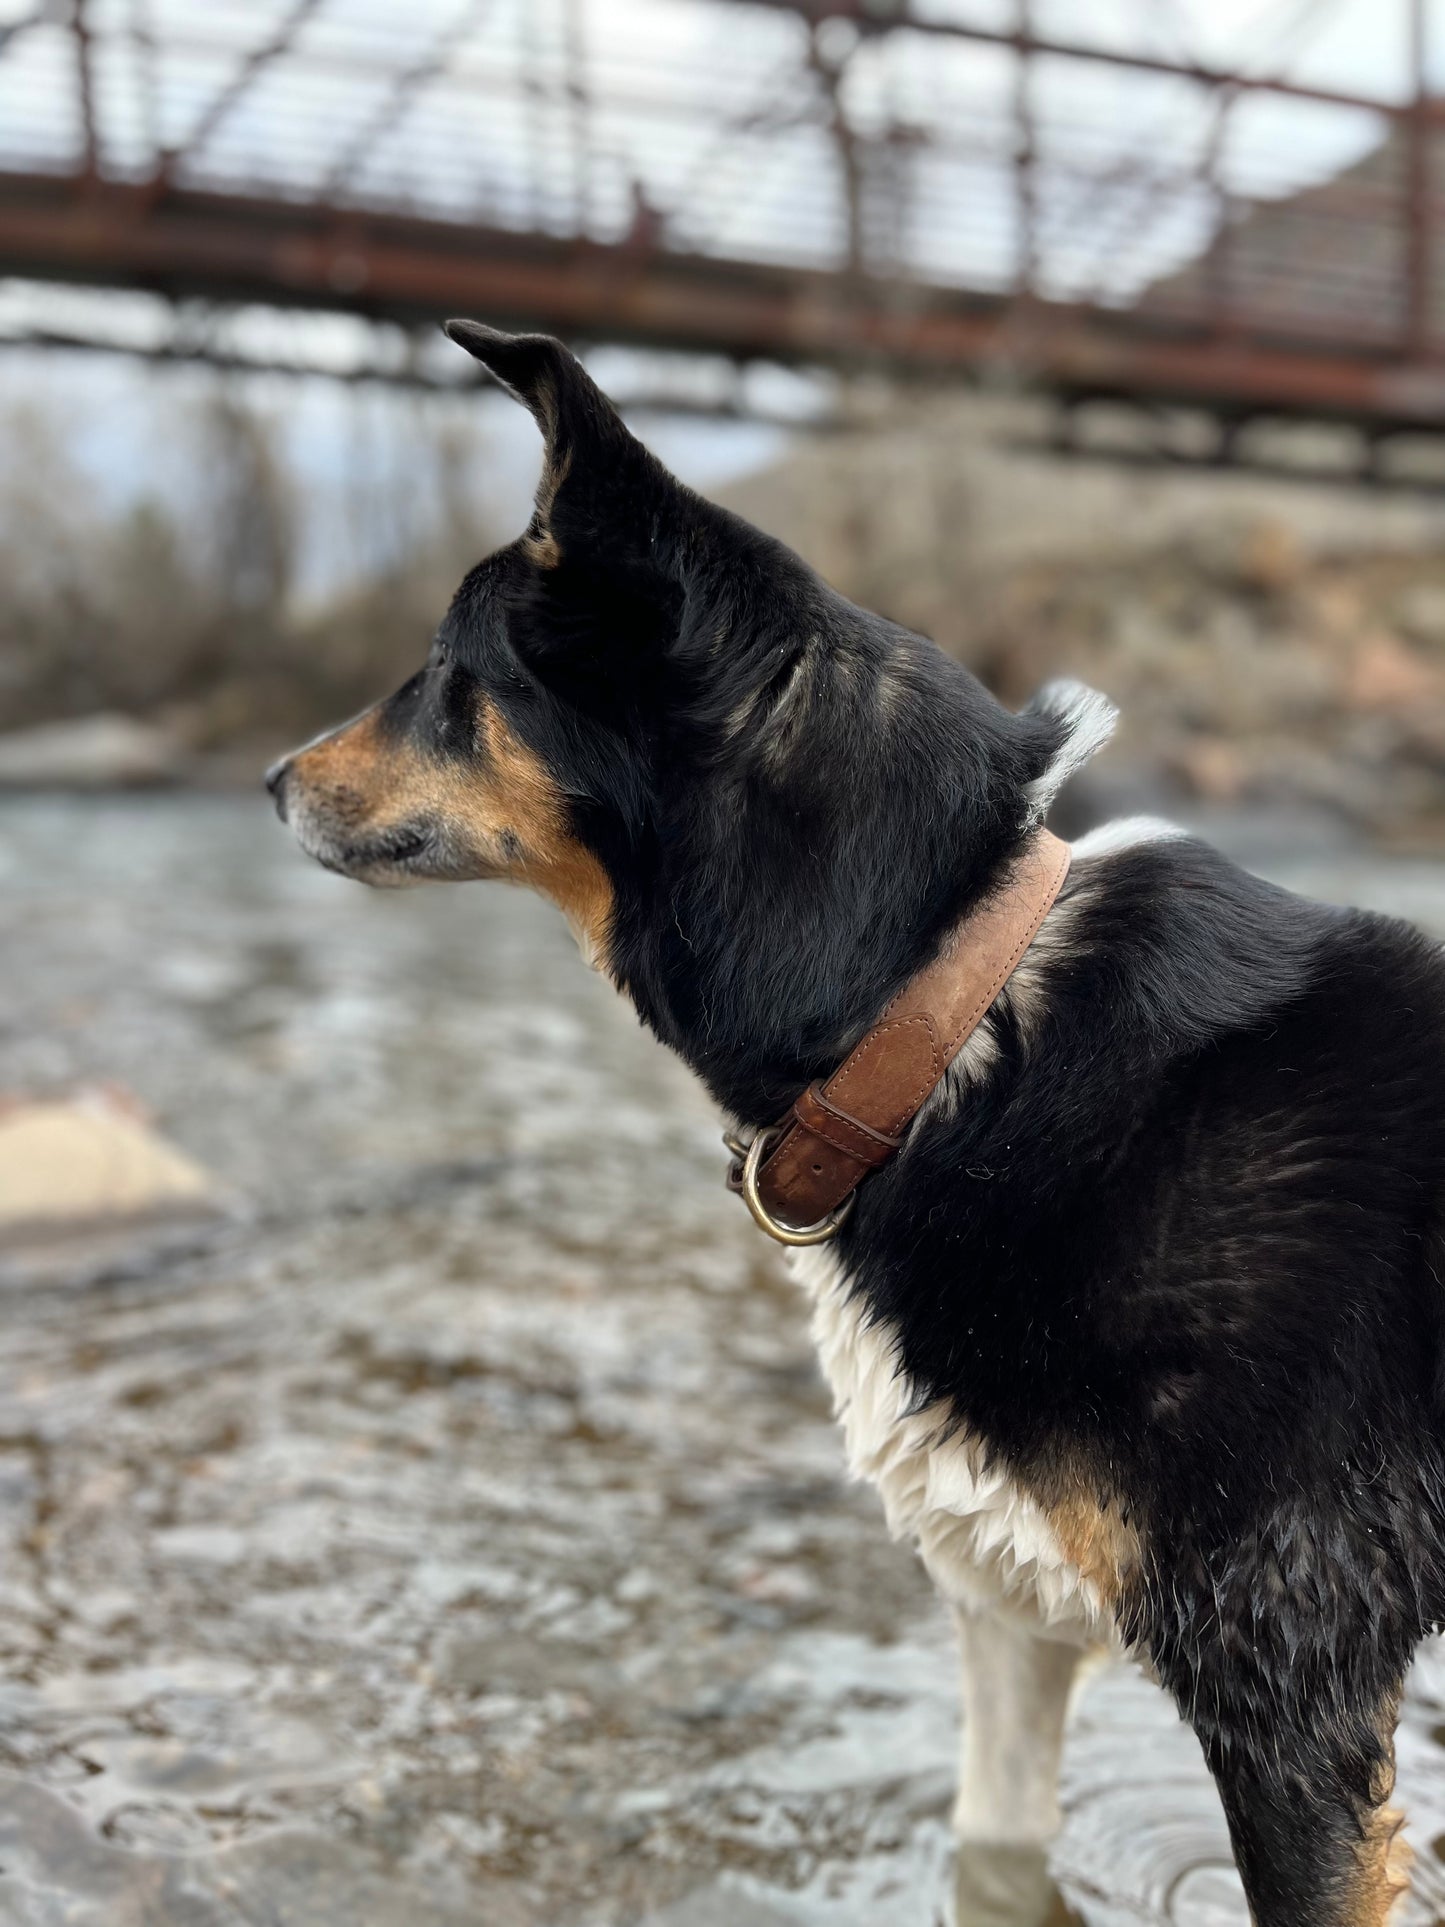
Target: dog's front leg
1015 1699
1307 1798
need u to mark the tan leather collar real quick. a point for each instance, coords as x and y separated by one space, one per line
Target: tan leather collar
799 1175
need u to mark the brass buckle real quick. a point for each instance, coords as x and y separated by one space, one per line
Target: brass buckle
750 1156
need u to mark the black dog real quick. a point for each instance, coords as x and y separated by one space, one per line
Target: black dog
1141 1332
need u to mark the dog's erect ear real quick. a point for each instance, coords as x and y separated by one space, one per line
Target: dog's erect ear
601 492
543 375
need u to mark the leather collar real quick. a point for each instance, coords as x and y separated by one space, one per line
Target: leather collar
800 1174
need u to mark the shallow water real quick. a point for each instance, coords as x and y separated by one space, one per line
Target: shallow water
457 1533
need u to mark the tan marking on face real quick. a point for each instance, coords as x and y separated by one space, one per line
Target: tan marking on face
360 783
515 797
500 816
1098 1539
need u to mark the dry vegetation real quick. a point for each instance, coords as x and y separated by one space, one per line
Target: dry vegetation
1264 643
185 609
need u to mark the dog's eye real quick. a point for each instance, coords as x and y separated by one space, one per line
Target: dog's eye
442 657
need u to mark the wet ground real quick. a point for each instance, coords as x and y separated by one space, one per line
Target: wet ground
456 1531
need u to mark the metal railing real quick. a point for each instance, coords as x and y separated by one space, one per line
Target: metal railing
837 181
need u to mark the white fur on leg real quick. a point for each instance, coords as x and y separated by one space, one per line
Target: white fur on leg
1015 1701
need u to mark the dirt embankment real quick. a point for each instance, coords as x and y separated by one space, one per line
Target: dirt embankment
1247 672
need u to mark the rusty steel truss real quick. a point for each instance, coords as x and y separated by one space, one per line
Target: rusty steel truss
916 240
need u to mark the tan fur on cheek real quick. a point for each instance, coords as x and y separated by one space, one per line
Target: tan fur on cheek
501 816
516 811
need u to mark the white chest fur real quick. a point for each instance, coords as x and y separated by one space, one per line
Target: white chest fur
987 1545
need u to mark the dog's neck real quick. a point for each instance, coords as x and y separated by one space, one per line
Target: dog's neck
815 837
761 1014
799 1176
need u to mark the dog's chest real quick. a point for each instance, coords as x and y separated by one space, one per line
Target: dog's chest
986 1543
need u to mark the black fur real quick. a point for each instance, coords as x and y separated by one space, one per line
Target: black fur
1185 1232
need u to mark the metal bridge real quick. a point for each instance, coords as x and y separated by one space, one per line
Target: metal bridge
1068 195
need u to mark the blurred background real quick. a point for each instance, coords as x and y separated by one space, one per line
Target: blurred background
1091 334
417 1499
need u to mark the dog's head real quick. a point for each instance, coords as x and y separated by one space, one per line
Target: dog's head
755 803
480 765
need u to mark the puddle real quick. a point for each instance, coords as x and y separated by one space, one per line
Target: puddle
360 1561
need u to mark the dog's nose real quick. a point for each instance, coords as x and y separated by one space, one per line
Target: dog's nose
276 783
